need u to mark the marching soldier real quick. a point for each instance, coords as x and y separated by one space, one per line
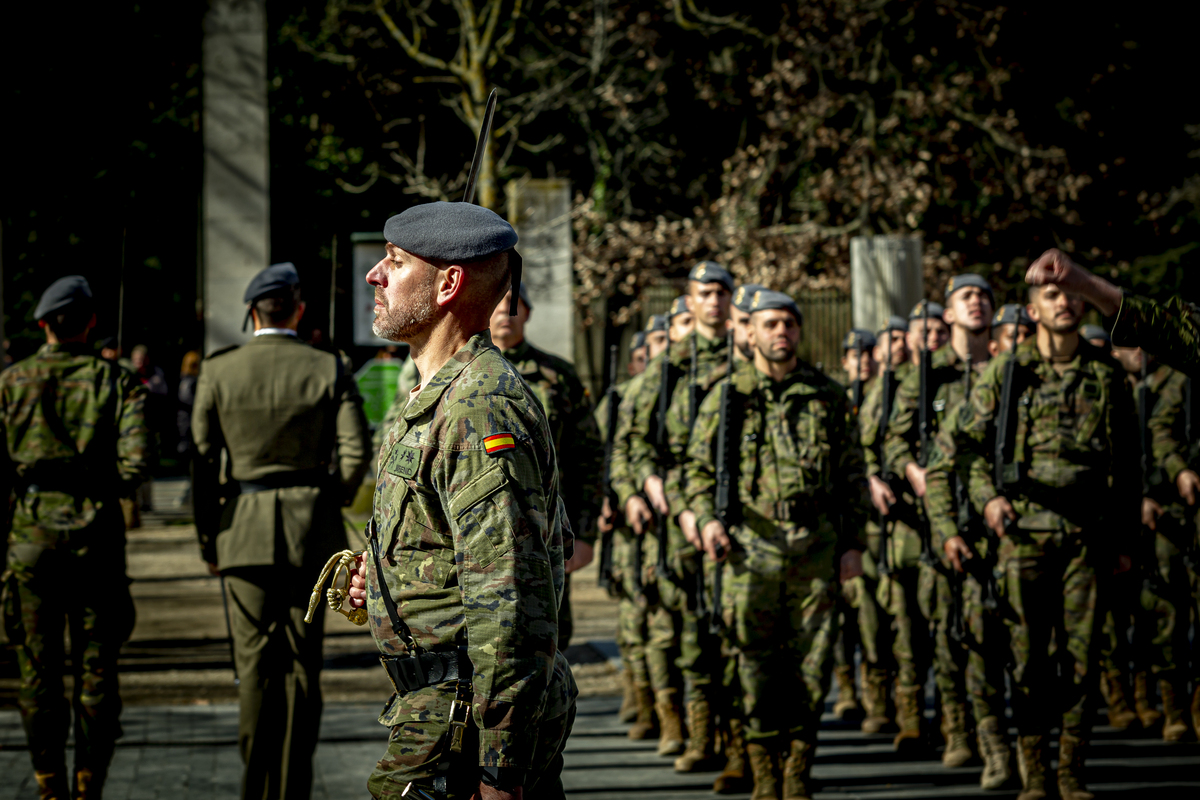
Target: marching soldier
1053 469
940 386
290 421
739 319
573 429
792 458
76 442
1012 326
465 568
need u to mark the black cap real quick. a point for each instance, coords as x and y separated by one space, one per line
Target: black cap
638 341
678 306
1012 314
272 279
64 293
459 233
657 322
936 310
744 294
711 272
858 338
895 323
767 300
968 279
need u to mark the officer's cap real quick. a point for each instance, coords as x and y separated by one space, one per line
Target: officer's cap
711 272
678 306
459 233
895 323
858 338
69 292
745 295
658 322
767 300
638 341
968 279
1090 332
1012 314
936 310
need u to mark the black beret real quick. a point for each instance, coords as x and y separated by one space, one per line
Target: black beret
859 338
678 306
936 310
1090 332
1012 314
658 322
895 323
968 279
767 300
272 279
745 295
711 272
455 232
63 294
638 341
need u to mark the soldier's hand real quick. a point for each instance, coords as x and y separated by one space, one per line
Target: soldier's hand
213 570
687 523
656 494
486 792
1151 511
638 514
998 511
583 555
1188 483
882 496
358 582
851 566
715 540
916 477
1055 266
608 517
957 551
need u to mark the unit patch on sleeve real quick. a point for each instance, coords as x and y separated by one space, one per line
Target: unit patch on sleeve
498 443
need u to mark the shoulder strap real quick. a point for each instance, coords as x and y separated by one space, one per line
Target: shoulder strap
398 625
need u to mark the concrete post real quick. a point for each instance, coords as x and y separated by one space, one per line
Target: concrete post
886 278
540 210
236 219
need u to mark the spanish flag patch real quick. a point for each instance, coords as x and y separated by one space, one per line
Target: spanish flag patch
499 442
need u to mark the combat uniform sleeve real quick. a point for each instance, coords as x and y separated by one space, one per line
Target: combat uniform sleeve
206 433
503 526
133 435
700 467
643 449
1170 330
1169 451
623 485
1123 433
868 427
976 434
353 439
581 461
939 498
900 442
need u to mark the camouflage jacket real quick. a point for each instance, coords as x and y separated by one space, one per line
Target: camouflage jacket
624 485
947 386
573 430
798 466
474 538
76 441
646 458
1167 435
1074 458
868 417
1170 330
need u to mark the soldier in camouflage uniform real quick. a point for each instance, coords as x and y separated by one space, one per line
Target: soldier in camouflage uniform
874 622
465 568
793 458
576 435
75 442
1011 327
1067 478
692 367
969 304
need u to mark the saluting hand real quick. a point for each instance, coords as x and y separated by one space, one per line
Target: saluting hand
358 582
1056 267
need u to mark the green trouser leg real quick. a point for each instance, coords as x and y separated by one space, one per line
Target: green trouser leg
631 638
949 655
987 648
279 696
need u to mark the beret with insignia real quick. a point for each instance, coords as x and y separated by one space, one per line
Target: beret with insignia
1012 314
968 279
1090 332
272 279
638 341
859 338
657 322
935 310
678 306
68 292
745 295
767 300
711 272
895 323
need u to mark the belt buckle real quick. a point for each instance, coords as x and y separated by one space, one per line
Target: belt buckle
458 726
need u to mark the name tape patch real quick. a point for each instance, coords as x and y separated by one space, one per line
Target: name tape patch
498 443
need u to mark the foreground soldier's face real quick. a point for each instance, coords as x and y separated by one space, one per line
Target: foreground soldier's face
1058 311
776 334
405 290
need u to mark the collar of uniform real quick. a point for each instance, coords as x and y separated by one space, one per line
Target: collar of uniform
275 332
433 388
803 375
681 352
518 353
71 348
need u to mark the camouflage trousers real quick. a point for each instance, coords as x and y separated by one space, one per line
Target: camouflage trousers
1051 585
969 660
1178 587
875 624
899 595
781 611
632 613
49 591
680 644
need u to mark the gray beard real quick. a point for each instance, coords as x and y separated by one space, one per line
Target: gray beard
405 321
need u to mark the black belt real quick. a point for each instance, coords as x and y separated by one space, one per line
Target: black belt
409 673
285 480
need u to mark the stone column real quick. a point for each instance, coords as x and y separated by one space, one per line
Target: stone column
886 277
540 210
236 236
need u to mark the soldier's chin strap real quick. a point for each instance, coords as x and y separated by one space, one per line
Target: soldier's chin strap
514 266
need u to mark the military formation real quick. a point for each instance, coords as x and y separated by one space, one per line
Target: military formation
997 495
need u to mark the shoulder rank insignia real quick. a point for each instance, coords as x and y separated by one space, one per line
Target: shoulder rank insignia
498 443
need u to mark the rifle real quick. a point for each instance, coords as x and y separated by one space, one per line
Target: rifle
856 391
885 411
604 581
662 567
924 423
702 609
725 450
